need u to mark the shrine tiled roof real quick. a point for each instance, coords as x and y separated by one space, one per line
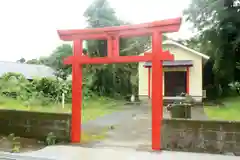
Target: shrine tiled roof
172 63
30 71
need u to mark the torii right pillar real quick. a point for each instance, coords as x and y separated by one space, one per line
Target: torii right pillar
157 87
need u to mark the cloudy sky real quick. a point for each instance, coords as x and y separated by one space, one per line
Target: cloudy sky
28 27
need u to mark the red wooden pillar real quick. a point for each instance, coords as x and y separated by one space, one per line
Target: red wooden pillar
187 80
116 46
113 46
149 82
110 46
157 97
76 94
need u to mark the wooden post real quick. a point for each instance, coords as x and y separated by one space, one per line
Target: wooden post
157 97
110 46
63 100
187 80
149 82
76 94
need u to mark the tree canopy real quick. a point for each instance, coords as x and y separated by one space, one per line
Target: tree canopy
109 80
217 22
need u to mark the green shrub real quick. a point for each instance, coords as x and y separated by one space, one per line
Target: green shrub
13 84
39 91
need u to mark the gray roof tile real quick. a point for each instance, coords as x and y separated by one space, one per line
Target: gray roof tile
172 63
30 71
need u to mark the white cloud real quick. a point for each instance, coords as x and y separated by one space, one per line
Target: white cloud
28 27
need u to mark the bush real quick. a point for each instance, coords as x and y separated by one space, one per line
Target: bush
13 85
52 88
37 92
234 89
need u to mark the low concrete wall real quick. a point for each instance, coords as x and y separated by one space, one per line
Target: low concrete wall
201 136
177 134
35 125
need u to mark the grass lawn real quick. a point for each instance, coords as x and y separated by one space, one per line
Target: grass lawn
91 109
230 110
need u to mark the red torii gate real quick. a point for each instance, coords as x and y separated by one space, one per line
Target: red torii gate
113 35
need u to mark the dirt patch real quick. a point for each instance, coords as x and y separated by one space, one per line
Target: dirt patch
19 144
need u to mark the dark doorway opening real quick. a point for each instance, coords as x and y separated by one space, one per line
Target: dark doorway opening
175 83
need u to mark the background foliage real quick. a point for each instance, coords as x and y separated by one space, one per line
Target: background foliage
114 80
37 92
217 23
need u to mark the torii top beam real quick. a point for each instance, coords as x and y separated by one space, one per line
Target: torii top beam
163 26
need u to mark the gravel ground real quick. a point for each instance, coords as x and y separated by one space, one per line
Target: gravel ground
132 127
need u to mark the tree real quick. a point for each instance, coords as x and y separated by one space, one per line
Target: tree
33 61
107 80
55 60
22 60
217 22
41 60
116 78
100 14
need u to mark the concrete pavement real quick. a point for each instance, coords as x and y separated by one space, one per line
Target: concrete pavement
73 153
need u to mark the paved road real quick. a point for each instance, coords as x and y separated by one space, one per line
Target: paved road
73 153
